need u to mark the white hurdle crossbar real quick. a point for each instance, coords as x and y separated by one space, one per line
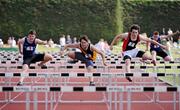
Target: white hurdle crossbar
107 89
90 88
61 78
84 74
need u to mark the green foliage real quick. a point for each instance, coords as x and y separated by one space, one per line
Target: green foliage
54 17
152 15
119 18
96 18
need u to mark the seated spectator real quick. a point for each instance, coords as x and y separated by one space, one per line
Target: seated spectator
9 42
107 48
1 43
51 43
100 45
75 40
62 40
13 42
68 39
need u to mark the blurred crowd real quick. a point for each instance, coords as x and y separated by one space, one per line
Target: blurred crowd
101 44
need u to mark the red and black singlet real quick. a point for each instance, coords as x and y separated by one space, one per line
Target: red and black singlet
128 44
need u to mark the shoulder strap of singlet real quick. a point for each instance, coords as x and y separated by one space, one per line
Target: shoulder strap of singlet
125 42
84 51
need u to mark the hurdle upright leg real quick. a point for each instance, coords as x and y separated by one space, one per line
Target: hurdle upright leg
51 100
128 100
179 92
174 100
35 100
121 101
27 101
115 96
179 100
110 92
46 100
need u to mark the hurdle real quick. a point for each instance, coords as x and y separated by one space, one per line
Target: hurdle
133 67
96 75
111 59
84 75
112 65
107 89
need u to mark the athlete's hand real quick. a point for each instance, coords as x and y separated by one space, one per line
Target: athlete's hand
111 47
177 32
45 42
61 53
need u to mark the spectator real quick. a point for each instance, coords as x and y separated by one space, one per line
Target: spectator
163 31
13 42
68 39
100 45
51 43
169 33
107 48
74 40
62 41
9 41
1 43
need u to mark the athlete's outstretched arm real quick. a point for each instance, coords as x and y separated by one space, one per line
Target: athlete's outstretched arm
170 35
99 52
76 45
117 38
38 41
153 41
144 35
20 43
162 46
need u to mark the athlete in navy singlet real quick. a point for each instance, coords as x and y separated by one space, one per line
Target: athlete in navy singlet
157 50
27 47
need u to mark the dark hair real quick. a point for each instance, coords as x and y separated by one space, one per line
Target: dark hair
136 27
33 32
84 37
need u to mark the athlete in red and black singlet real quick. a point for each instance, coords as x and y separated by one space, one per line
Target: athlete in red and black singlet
128 44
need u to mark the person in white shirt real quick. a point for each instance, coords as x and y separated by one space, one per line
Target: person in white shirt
13 42
1 43
62 41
